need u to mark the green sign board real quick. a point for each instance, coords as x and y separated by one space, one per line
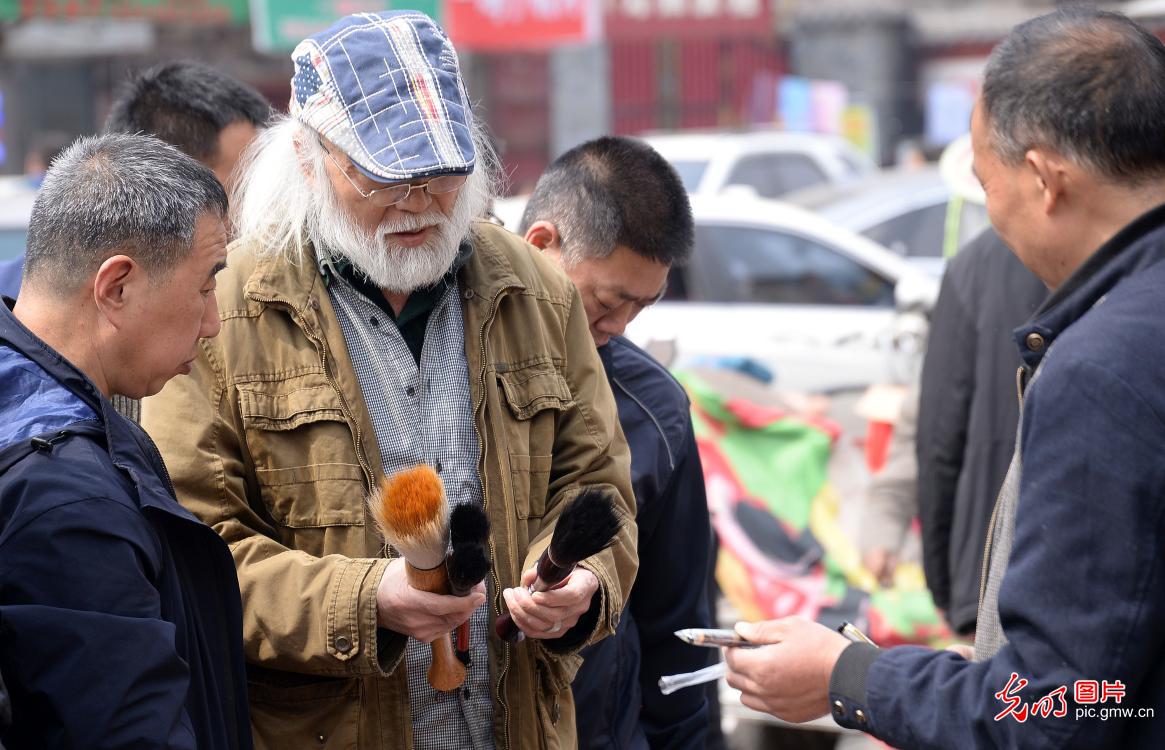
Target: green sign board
278 25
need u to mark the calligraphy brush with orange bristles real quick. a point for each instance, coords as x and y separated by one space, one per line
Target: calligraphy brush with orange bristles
412 514
468 561
587 526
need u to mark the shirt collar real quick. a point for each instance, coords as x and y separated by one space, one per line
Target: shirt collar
1139 245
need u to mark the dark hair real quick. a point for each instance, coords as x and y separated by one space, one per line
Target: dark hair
614 191
112 194
1089 84
187 104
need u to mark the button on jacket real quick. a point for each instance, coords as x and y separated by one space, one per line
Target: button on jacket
269 441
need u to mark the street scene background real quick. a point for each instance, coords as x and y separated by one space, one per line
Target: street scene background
824 146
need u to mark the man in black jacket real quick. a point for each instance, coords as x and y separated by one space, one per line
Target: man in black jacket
120 619
967 415
615 216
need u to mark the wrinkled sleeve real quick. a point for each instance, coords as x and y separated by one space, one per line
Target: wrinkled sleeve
84 642
1079 600
314 615
590 451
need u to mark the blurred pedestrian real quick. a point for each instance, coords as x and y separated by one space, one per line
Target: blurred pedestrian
205 113
370 324
615 217
1067 143
968 415
892 500
120 610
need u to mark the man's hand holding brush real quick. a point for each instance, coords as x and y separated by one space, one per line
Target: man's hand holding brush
549 614
419 614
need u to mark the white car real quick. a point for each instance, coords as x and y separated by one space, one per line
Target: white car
914 213
766 163
821 307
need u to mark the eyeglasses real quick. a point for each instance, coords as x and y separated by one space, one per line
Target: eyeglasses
394 194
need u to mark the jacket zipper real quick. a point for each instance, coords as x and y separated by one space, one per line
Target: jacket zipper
999 495
506 648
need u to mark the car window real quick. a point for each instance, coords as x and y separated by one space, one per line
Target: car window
916 234
771 175
742 264
12 242
690 172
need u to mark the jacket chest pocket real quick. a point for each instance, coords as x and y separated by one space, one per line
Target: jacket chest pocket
535 397
305 460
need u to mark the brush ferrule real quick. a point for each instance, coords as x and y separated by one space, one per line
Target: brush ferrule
550 573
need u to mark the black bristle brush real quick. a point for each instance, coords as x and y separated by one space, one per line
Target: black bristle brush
468 561
587 526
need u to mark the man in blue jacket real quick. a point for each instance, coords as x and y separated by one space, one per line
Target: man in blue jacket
613 213
1069 641
120 620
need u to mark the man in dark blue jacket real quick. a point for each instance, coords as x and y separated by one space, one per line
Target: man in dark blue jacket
120 619
615 216
1069 640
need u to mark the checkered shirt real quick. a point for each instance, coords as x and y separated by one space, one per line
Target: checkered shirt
424 415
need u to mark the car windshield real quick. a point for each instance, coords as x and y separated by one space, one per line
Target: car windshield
690 172
12 242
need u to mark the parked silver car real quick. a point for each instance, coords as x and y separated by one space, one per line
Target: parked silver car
913 213
766 163
820 306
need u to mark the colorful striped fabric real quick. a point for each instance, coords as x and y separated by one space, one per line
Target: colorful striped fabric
782 548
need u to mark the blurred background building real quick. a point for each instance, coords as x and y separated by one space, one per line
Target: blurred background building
895 77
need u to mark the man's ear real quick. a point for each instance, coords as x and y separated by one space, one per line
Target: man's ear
299 157
544 236
1050 175
117 280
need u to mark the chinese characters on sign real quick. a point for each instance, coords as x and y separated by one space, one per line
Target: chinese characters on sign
1086 693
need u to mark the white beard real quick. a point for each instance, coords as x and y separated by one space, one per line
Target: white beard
391 267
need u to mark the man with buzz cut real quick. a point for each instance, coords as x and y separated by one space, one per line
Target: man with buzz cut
614 215
1069 644
370 324
120 619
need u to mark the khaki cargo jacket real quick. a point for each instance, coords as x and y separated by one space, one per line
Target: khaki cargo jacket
269 441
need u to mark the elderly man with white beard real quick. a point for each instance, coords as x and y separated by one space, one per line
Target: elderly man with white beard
370 324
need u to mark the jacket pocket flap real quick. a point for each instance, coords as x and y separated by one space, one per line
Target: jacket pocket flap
532 389
286 411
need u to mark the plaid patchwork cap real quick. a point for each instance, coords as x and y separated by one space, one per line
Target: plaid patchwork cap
386 89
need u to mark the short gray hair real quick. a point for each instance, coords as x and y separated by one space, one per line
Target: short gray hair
117 194
1089 84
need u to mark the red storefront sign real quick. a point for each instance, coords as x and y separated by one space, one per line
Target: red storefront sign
676 19
510 25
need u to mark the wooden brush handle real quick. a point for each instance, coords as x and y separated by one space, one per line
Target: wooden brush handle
446 672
